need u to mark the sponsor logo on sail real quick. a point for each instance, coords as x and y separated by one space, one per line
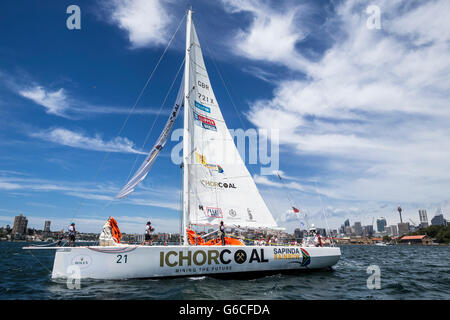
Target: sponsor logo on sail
202 159
204 122
232 213
202 107
215 184
214 212
250 215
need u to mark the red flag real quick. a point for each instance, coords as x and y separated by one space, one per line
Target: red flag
295 210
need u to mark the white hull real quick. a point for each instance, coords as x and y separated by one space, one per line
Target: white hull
174 261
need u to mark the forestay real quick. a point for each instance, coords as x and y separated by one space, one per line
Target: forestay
220 188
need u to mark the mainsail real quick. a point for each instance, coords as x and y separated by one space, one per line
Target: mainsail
143 170
216 183
219 186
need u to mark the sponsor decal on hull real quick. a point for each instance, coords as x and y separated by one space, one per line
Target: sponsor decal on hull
292 254
209 260
82 261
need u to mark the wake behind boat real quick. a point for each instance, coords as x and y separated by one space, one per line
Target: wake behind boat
216 187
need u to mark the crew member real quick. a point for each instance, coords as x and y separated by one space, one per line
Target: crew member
222 232
312 236
148 233
318 240
72 232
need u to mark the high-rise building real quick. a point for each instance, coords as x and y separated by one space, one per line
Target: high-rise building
20 225
358 229
348 231
368 231
392 230
403 228
47 226
347 223
423 218
381 224
438 219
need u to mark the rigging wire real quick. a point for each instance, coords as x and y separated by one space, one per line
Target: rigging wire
323 213
181 202
293 203
132 109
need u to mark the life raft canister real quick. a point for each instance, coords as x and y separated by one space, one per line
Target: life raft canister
196 239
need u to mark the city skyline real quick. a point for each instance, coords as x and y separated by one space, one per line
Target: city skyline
358 230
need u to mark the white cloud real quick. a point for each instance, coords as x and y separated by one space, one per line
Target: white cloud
160 204
9 186
55 102
62 104
374 109
272 35
145 21
264 180
79 140
161 197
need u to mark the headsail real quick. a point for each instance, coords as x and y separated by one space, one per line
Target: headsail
142 172
220 188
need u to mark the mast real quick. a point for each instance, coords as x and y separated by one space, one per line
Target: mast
186 140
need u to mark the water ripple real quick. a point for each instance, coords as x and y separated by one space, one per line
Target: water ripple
407 272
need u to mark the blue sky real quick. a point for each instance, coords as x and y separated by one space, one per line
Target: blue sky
362 113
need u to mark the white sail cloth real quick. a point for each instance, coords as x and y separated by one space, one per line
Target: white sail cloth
220 188
142 172
106 238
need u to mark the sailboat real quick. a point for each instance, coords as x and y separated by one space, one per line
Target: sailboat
216 187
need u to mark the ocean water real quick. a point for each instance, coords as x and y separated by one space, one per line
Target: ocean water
407 272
